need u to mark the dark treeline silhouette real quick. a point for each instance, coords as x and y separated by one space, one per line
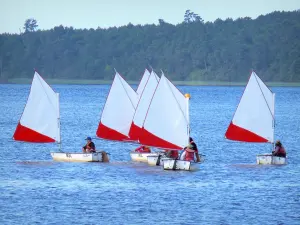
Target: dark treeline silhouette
193 50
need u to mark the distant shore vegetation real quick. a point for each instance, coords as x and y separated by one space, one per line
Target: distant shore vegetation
193 52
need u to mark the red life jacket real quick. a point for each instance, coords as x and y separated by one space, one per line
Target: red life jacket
142 149
146 149
189 156
281 152
139 149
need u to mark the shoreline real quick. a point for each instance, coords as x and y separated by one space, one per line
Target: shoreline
180 83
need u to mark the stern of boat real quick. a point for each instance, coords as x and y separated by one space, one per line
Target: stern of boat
269 159
172 164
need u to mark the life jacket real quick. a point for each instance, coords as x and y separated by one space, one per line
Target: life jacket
142 149
139 149
189 156
281 152
146 149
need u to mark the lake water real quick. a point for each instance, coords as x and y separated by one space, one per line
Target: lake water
229 188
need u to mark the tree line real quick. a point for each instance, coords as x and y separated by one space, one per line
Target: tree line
194 50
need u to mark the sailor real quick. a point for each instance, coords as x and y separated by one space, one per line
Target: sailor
89 147
279 150
143 149
191 151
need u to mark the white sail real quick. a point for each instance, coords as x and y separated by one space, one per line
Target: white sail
40 119
143 82
166 124
118 111
253 120
143 106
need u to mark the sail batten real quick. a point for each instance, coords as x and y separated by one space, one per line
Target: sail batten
39 120
253 120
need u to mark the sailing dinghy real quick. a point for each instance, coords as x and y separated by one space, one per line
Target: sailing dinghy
140 114
167 124
254 119
40 122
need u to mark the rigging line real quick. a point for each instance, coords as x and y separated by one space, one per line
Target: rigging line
127 93
264 97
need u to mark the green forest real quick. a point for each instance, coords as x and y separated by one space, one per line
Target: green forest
194 50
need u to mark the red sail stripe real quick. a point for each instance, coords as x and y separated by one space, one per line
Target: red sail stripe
134 132
110 134
147 138
237 133
26 134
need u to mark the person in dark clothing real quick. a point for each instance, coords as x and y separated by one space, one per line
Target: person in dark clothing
89 147
279 150
194 146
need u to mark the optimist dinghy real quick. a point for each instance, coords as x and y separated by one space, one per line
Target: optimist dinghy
166 125
254 119
40 123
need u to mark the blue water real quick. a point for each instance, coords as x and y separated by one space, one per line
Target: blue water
229 188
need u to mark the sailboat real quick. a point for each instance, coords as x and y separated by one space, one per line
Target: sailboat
254 119
140 114
167 125
40 122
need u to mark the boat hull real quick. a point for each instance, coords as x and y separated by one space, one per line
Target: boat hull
80 157
141 156
172 164
156 160
269 159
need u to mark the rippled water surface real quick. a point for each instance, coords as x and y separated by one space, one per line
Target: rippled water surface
229 188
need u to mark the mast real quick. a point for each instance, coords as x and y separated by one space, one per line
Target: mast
273 109
187 98
58 123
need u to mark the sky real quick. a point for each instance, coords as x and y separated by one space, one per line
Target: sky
108 13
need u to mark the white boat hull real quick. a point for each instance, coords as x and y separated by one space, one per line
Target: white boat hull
156 160
269 159
79 157
141 156
172 164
